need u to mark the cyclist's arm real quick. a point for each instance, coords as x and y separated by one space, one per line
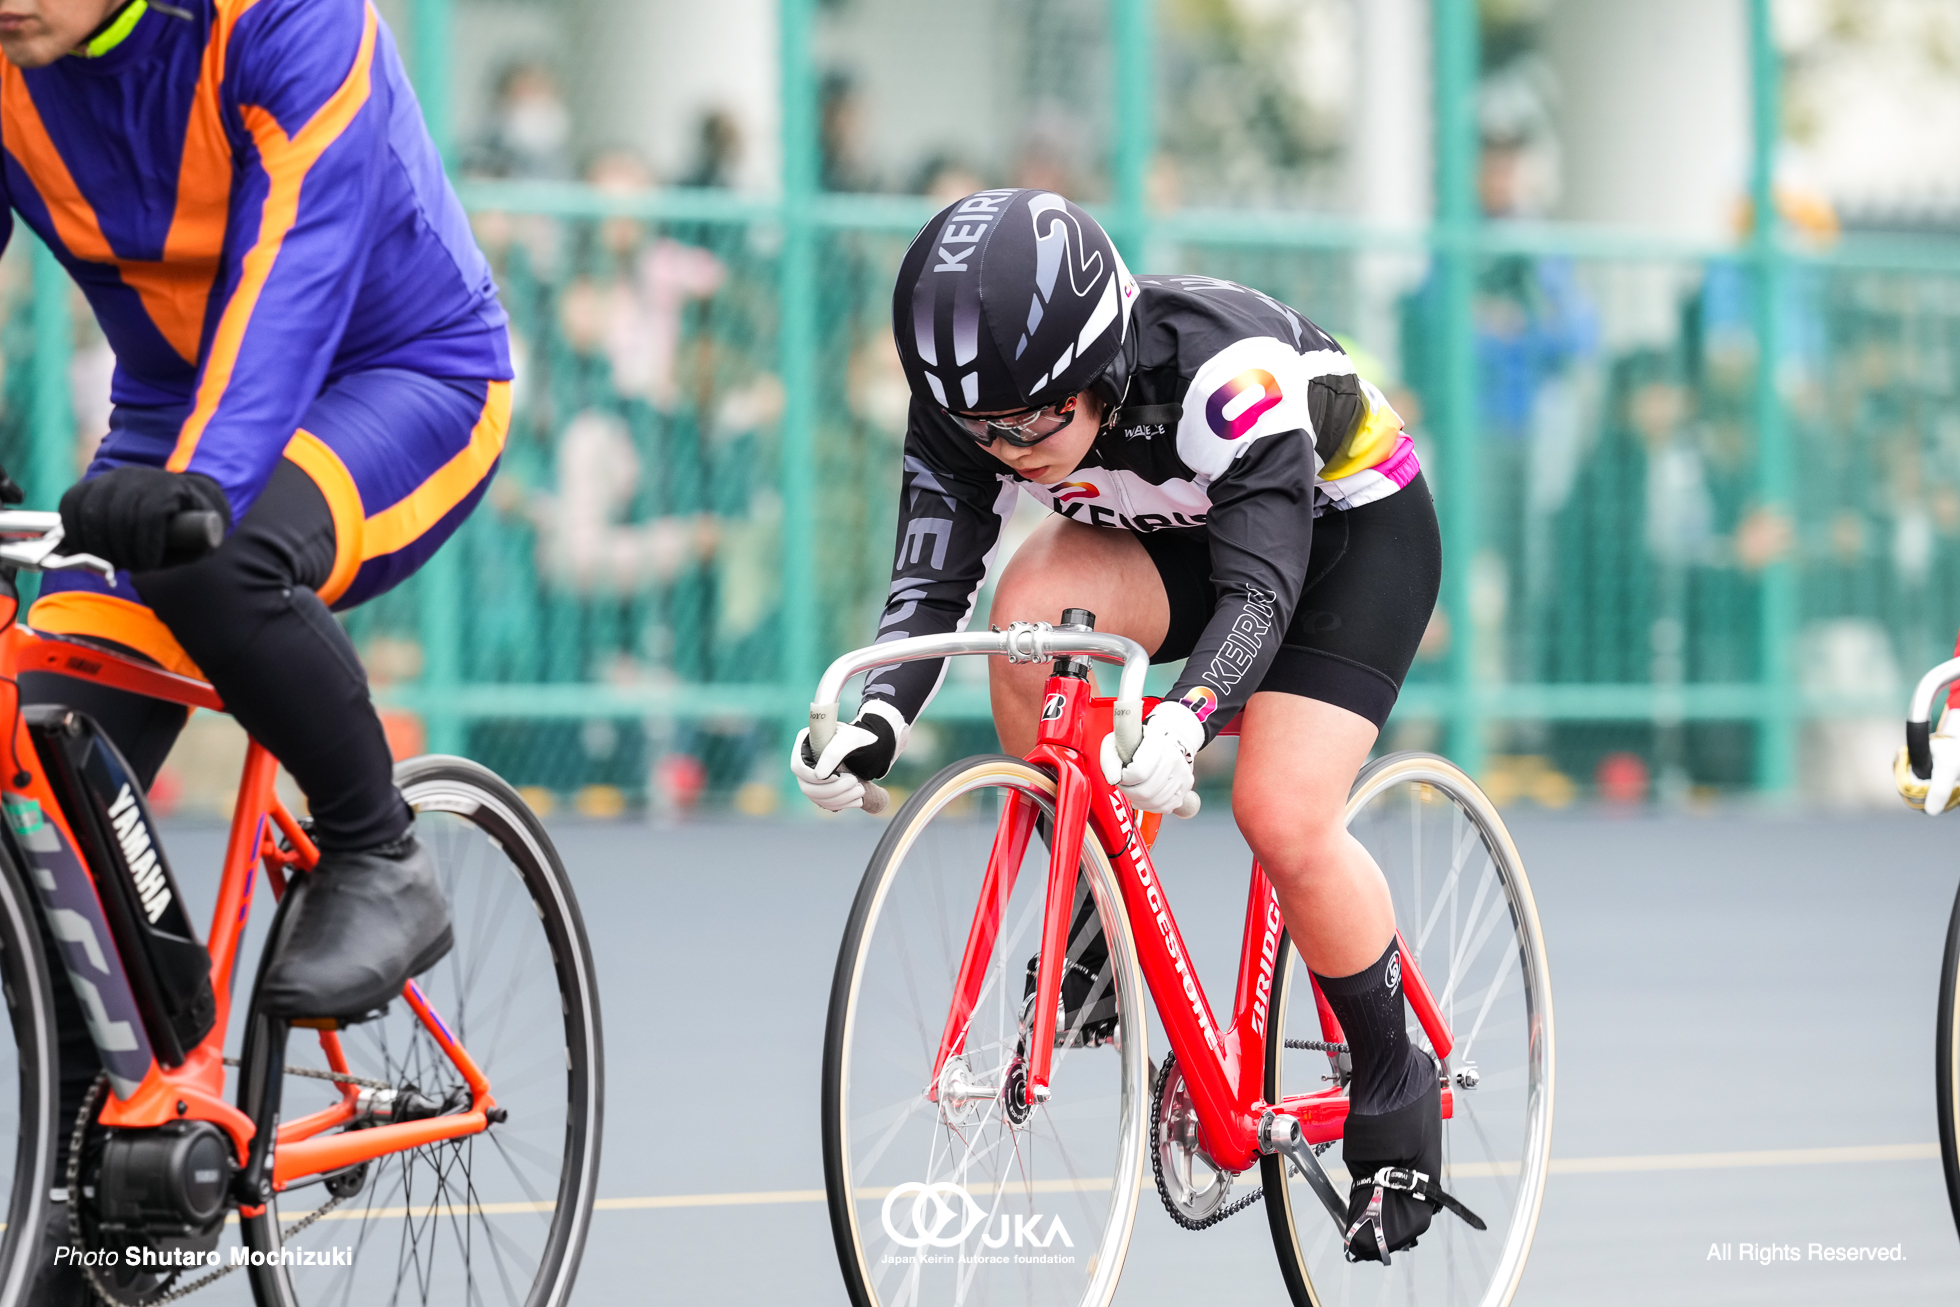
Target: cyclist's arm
302 82
1261 528
1262 495
950 511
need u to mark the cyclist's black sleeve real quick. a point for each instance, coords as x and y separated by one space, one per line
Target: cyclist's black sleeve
950 511
1261 529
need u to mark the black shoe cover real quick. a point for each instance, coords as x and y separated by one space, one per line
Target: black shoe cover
362 924
1083 1023
1385 1218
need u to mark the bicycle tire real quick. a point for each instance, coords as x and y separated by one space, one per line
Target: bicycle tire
1508 1114
464 810
1946 1059
31 1087
1080 1156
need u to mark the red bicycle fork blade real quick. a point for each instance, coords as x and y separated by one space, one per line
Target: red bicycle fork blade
1003 869
1064 855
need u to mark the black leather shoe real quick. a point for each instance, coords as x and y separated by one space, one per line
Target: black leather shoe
362 925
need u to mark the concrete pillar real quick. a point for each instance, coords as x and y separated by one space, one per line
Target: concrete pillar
648 69
1390 158
1653 116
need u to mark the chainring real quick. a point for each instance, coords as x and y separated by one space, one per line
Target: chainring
1193 1201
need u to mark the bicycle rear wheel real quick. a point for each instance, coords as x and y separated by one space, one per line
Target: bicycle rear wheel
28 1088
1466 912
497 1217
975 1198
1947 1063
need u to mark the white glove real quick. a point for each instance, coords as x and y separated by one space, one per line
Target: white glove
1159 777
870 743
1946 771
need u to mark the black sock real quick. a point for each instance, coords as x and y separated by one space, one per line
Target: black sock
1368 1005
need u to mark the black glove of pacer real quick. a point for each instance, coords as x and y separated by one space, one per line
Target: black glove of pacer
123 515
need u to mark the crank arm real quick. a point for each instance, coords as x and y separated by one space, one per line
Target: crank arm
1282 1135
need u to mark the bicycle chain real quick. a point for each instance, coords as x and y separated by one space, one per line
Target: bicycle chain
1316 1046
1157 1158
74 1181
338 1077
1157 1162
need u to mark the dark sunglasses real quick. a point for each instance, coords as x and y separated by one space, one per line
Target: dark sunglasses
1021 430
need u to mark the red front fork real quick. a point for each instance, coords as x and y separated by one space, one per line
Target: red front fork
1064 717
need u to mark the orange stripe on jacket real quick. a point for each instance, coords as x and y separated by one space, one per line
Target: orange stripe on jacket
175 289
82 612
286 161
406 521
343 497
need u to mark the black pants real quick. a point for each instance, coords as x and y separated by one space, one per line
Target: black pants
1373 573
249 617
284 668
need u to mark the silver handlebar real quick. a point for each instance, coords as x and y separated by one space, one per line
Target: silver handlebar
28 540
1920 710
1021 642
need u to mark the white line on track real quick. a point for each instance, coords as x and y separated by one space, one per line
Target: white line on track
1560 1166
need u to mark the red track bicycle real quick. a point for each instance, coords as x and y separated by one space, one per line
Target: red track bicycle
446 1152
1919 757
979 1150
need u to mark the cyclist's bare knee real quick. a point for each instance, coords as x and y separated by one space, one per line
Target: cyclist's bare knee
1065 564
1292 838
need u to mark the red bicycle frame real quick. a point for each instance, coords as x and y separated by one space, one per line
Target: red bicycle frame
1224 1068
194 1090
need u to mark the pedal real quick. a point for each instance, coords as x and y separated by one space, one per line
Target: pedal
1282 1135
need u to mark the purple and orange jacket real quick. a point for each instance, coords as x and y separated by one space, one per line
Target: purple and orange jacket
251 203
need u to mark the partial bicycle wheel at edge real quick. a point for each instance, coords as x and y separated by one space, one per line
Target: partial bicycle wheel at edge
1465 909
1947 1063
967 1196
28 1088
494 1218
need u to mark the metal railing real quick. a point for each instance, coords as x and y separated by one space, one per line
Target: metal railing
696 506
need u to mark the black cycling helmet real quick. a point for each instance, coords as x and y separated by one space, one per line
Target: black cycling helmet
1010 300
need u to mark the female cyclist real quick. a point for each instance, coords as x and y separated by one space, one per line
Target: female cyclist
1226 491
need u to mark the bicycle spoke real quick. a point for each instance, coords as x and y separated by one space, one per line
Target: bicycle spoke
469 1220
1470 925
986 1175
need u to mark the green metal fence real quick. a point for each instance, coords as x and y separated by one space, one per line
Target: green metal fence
1668 474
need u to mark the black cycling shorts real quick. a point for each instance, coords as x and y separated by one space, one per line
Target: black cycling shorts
1372 577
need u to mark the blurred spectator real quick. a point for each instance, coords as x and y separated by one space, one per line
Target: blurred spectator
717 151
91 374
1049 150
945 177
530 130
841 135
583 541
630 304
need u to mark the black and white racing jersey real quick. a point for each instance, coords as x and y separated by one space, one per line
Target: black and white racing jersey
1242 421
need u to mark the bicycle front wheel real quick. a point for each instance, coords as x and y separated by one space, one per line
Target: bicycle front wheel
498 1217
1947 1063
953 1190
28 1089
1465 909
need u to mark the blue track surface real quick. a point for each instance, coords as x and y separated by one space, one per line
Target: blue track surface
1723 984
